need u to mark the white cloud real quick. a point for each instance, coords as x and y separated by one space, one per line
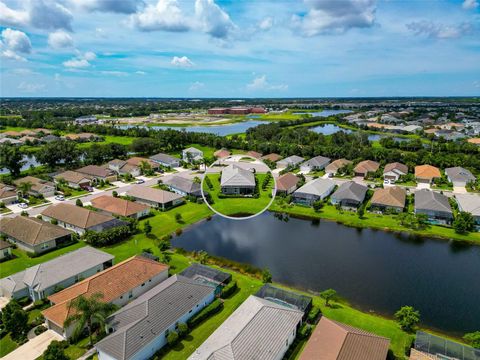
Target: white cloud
30 87
260 83
470 4
60 39
266 24
182 62
80 61
114 6
440 31
14 43
139 72
114 73
334 16
213 19
165 15
197 85
12 17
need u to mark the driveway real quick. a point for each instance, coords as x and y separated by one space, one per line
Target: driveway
35 347
421 186
3 302
459 190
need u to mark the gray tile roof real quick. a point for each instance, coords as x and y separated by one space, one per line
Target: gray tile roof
317 161
234 175
291 160
183 184
165 159
316 187
469 203
350 191
258 329
150 194
431 201
459 174
150 315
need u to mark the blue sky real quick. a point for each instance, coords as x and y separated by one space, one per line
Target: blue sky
213 48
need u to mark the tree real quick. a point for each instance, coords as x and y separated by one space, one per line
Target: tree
163 245
11 158
178 217
172 338
147 228
203 257
87 312
266 276
15 320
407 317
53 153
25 187
473 339
182 329
328 295
197 180
145 168
463 223
317 205
56 351
79 202
114 193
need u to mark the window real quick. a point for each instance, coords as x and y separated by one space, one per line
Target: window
143 284
190 311
130 294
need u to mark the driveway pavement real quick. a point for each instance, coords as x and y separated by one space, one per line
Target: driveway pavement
34 348
3 302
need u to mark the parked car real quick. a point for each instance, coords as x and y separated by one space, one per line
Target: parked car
89 189
140 181
386 182
23 205
60 197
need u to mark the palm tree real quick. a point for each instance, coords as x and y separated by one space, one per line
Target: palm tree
145 167
88 311
25 187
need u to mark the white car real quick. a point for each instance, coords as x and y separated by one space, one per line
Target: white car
23 205
140 181
59 197
386 182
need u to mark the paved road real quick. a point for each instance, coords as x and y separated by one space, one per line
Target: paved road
34 348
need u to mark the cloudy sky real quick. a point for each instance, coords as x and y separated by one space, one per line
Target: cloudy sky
235 48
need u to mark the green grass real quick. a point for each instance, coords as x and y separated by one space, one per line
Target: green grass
7 345
207 150
370 220
232 206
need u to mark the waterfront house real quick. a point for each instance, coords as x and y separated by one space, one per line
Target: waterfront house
118 284
433 204
39 187
42 280
160 199
237 181
426 173
332 340
335 166
393 171
139 329
432 347
459 176
207 275
8 194
79 219
74 180
287 183
349 195
98 173
291 161
183 186
165 160
314 164
271 157
254 154
312 191
33 235
365 168
222 153
390 198
258 329
469 203
192 154
120 207
5 250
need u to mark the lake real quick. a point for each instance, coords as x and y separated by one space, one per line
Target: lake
324 113
29 162
373 270
329 129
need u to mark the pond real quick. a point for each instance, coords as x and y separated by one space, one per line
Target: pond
374 270
329 129
29 162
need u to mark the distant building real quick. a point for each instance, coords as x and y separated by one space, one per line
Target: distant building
394 171
237 110
166 160
8 194
271 157
291 161
74 180
254 154
120 207
86 119
98 173
222 153
39 187
469 203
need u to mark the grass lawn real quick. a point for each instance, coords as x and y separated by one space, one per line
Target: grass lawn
7 345
244 206
207 150
375 221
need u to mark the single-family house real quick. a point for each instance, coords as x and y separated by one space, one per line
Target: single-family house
332 340
314 190
33 235
222 153
349 195
291 161
258 329
139 329
98 173
79 219
287 183
254 154
336 165
432 347
315 164
120 207
140 161
165 160
192 154
28 139
28 132
118 285
50 138
5 250
366 167
459 176
433 204
122 167
469 203
426 173
42 280
82 137
8 194
389 198
393 171
39 187
160 199
11 134
236 180
183 186
206 274
271 157
42 131
73 179
10 141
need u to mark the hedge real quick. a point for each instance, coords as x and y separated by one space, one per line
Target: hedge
211 309
229 289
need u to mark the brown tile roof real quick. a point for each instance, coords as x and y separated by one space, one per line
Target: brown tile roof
76 215
42 130
156 195
118 206
337 164
366 166
97 171
396 166
136 161
27 138
4 245
390 196
474 141
254 154
31 231
286 181
332 340
28 132
6 191
12 133
427 172
221 153
272 157
37 184
112 283
72 176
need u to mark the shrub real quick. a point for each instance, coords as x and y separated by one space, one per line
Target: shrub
304 331
211 309
78 202
107 237
407 317
172 338
54 222
313 314
178 232
114 193
40 329
229 289
56 351
182 329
